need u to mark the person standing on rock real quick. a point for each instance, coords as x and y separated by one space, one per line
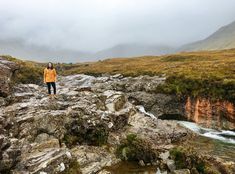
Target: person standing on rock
50 78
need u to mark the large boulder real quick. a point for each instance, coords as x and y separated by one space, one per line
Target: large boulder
7 68
9 146
46 160
161 105
93 158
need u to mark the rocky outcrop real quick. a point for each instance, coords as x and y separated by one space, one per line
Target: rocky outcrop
7 68
142 91
39 134
9 145
82 127
218 114
93 159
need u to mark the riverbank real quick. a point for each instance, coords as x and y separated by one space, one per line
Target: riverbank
94 123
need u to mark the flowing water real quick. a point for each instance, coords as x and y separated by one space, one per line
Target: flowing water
220 143
222 135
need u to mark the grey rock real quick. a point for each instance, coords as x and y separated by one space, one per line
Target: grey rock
165 155
7 68
171 165
181 171
39 134
93 158
141 163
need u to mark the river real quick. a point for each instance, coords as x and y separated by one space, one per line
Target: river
219 143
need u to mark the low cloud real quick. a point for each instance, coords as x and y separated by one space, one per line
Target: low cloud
93 25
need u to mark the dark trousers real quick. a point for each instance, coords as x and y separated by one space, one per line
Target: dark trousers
49 84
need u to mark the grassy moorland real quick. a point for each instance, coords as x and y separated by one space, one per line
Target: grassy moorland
208 73
29 71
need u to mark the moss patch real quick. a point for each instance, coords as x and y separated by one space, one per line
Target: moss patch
212 88
80 133
73 168
135 149
190 159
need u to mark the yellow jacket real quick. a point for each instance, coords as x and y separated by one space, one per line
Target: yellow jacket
49 75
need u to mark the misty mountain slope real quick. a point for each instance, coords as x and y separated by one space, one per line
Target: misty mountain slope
132 50
17 48
224 38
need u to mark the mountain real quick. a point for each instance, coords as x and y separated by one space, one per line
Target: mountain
224 38
133 50
18 48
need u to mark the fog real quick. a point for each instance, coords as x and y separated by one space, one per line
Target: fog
94 25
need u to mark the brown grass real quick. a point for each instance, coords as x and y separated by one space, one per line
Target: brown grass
208 73
219 64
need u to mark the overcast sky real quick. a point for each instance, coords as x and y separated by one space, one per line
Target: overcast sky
91 25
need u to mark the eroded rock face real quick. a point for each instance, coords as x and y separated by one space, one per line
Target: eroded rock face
218 114
9 146
7 68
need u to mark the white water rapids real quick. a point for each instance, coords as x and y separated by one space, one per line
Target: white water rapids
222 135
